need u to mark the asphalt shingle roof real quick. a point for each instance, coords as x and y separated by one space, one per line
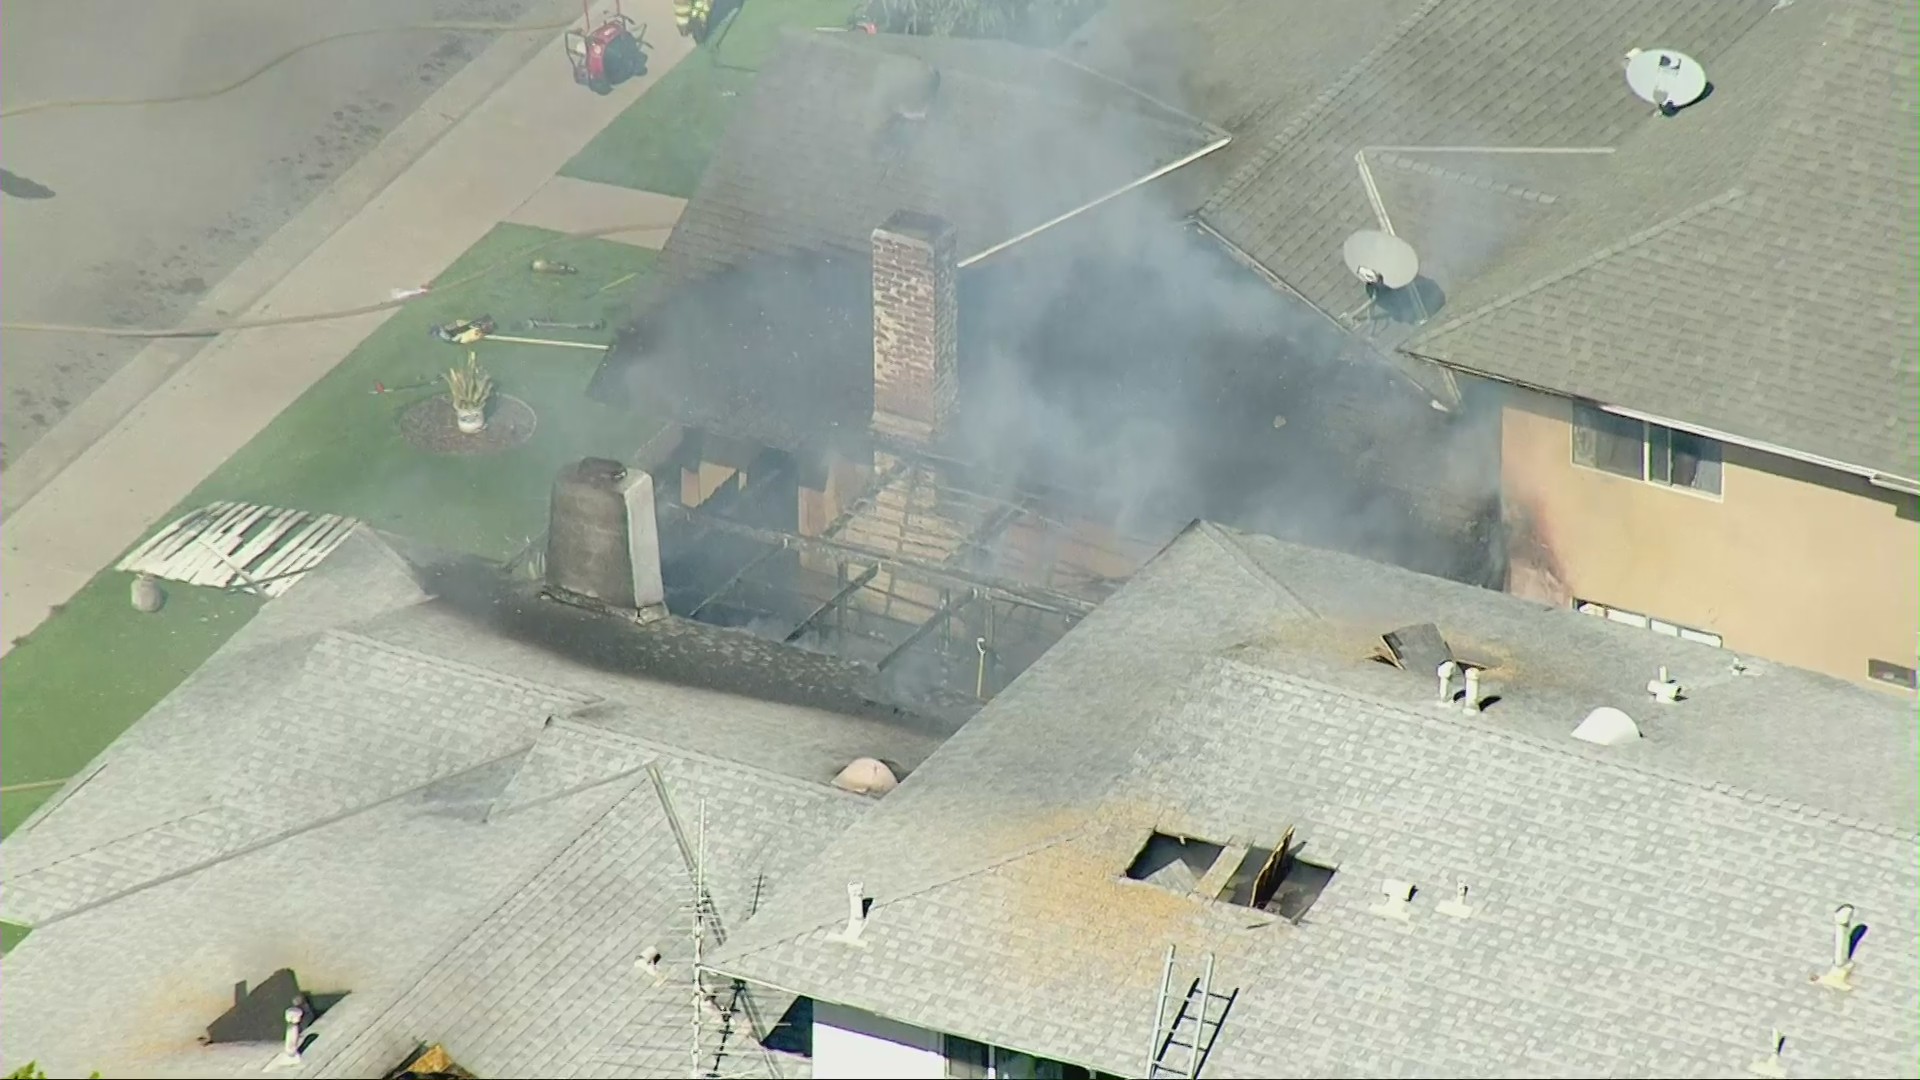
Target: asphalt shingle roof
1747 266
373 772
815 159
1744 267
1652 909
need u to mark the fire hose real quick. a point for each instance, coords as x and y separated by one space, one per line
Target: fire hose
216 91
215 329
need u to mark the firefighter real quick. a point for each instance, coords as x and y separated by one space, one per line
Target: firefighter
690 17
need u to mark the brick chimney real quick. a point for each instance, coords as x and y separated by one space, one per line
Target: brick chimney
915 337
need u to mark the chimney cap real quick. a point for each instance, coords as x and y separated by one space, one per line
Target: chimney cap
926 228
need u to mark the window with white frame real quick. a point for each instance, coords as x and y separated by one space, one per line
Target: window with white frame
1647 622
1647 452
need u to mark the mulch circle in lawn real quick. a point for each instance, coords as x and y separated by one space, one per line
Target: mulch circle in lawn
429 425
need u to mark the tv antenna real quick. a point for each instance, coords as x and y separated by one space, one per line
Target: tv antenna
1666 79
1384 263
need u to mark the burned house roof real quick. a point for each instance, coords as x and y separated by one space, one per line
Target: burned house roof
1247 66
1738 267
372 772
1227 694
1119 356
1746 267
842 130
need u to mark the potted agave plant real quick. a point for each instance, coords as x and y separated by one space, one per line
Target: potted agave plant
470 388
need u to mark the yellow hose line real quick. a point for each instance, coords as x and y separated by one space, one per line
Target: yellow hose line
201 95
213 329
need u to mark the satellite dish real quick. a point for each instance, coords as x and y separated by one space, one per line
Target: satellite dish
1671 80
1379 258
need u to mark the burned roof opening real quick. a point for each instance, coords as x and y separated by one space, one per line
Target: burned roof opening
1277 881
1274 880
259 1015
1175 863
1418 648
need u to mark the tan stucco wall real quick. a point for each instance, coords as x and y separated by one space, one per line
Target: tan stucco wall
1793 562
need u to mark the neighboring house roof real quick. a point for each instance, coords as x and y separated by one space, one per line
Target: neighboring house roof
1010 138
1247 66
1456 74
362 778
1644 909
1746 267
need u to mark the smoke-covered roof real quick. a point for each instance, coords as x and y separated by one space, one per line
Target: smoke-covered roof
842 130
1744 266
1747 266
1227 694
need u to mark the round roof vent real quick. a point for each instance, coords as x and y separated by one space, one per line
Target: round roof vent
1607 726
866 776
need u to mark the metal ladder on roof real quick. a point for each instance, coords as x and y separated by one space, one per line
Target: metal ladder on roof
1180 1043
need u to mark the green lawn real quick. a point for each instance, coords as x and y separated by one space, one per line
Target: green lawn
10 935
339 448
663 141
76 682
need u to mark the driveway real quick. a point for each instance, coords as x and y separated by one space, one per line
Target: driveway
149 206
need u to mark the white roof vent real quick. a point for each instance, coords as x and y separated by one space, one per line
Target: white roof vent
866 776
1666 79
1607 726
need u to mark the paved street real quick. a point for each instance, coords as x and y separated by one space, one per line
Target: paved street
152 206
484 170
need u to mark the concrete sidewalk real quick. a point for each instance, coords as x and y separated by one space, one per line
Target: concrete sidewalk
480 173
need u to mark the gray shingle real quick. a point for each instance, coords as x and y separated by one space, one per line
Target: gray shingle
322 794
814 159
1746 266
1653 911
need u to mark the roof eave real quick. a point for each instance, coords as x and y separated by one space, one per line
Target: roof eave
1877 477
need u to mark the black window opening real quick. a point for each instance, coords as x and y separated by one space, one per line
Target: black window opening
1647 452
1892 674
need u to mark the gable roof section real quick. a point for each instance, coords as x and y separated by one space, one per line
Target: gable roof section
1460 74
1013 137
1247 66
1225 694
1746 267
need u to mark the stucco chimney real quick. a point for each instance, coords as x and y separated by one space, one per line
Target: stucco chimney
603 540
915 332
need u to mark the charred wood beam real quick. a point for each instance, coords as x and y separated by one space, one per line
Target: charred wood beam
875 486
987 533
732 581
841 597
1052 601
934 622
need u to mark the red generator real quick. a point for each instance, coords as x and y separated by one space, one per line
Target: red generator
603 57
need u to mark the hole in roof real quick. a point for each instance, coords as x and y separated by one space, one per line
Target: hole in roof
1173 862
1278 882
1270 879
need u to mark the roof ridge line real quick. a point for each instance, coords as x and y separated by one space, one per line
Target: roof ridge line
1578 267
1245 561
1320 104
466 929
661 749
272 839
1763 800
461 666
